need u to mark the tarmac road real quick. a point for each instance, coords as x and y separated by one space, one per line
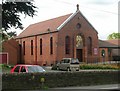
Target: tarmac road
109 86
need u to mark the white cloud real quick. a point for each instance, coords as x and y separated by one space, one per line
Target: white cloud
102 14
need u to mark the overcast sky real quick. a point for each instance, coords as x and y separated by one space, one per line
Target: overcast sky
102 14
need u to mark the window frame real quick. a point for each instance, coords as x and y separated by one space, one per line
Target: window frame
31 47
41 46
67 45
51 45
23 47
89 45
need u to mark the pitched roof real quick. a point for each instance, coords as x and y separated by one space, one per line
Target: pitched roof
114 41
108 44
51 25
44 26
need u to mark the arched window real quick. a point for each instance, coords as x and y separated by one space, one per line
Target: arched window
40 46
51 45
67 45
103 53
89 45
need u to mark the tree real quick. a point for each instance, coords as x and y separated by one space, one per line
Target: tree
114 36
11 13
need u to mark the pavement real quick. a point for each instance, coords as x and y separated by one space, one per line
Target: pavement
97 87
108 87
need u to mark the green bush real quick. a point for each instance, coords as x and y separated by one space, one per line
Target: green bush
98 66
94 66
6 66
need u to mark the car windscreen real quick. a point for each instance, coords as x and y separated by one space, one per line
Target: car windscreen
66 60
74 61
35 69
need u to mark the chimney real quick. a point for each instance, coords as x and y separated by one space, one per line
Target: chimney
77 7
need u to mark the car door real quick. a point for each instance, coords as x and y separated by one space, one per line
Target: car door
61 64
66 64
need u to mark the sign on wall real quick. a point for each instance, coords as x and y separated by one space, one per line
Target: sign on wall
95 51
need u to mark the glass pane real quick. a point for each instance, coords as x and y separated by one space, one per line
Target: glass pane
17 69
35 69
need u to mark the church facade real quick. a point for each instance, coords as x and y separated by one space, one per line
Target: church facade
68 36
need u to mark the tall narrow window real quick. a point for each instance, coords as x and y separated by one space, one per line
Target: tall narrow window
40 46
89 45
23 47
31 47
67 45
51 45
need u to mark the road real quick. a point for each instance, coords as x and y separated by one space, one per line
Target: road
109 86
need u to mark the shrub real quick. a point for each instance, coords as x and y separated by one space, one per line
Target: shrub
57 79
98 66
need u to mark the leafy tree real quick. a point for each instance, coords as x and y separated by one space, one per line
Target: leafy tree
114 36
11 13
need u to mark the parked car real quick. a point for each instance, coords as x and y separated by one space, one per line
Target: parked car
22 68
69 64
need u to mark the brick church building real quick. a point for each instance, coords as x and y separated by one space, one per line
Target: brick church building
68 36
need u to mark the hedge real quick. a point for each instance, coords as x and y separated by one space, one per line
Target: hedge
115 66
32 81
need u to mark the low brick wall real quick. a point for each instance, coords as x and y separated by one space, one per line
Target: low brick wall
58 79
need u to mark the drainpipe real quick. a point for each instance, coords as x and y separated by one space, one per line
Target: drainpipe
35 49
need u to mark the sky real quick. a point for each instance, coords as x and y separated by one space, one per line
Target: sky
102 14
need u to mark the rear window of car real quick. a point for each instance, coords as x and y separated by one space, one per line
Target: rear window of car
17 69
35 69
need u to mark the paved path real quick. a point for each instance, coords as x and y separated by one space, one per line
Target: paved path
109 86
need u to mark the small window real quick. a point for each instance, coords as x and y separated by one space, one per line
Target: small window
51 45
24 47
67 45
17 69
31 47
40 46
89 45
78 25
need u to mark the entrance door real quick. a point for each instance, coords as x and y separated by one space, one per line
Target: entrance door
79 54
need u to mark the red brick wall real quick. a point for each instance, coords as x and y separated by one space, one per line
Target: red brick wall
59 43
12 48
70 29
46 58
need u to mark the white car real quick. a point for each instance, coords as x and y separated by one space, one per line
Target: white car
69 64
